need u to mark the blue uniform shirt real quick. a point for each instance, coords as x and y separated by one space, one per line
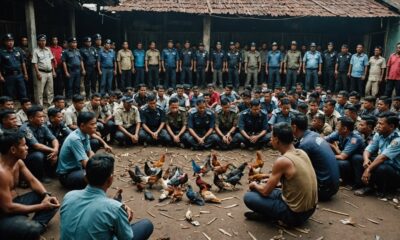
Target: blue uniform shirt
11 60
186 56
89 56
152 117
106 58
312 60
139 55
322 157
201 58
274 59
277 116
170 57
201 123
72 58
268 107
89 214
253 124
359 62
388 146
350 145
340 108
73 151
234 59
34 135
218 59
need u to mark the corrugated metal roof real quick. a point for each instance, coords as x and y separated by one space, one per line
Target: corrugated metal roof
272 8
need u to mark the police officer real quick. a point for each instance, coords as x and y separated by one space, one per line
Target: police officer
107 67
218 61
292 65
104 126
233 65
253 126
43 145
186 64
312 67
201 61
329 59
176 122
139 55
341 69
89 58
12 68
170 63
263 59
225 125
127 121
348 151
252 65
284 113
56 125
153 122
126 67
201 122
99 47
73 64
153 66
273 66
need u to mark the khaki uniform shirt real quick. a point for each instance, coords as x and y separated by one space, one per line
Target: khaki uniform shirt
127 118
71 116
43 57
176 121
89 108
252 59
21 117
153 57
293 60
125 58
376 68
225 121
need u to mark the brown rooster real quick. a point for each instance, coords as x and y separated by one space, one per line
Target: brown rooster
214 160
222 169
258 163
209 196
160 162
154 179
177 194
202 184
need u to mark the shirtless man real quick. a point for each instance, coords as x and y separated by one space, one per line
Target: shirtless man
14 208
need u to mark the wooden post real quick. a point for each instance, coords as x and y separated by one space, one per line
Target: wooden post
30 24
72 26
206 32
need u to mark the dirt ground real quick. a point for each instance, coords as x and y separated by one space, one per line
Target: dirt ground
375 219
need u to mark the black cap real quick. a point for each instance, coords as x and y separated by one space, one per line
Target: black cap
41 37
72 39
87 39
170 41
274 44
108 41
186 86
231 43
253 44
218 43
201 44
97 36
8 36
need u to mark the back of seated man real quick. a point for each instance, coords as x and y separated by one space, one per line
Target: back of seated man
75 153
90 214
321 156
14 208
297 200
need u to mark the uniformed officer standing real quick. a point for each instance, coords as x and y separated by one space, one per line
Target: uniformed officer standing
176 123
125 66
186 64
218 61
292 65
43 145
253 126
330 59
341 69
201 122
107 67
89 58
139 55
252 65
42 60
358 70
170 63
263 59
98 46
127 120
12 69
312 67
201 61
225 125
273 66
153 67
233 65
73 64
153 122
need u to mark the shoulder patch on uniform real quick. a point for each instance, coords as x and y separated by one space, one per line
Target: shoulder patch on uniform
29 134
353 140
394 143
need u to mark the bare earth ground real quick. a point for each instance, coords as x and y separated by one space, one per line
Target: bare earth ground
168 218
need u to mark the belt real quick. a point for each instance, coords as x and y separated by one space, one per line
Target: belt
46 71
311 68
153 65
13 73
107 67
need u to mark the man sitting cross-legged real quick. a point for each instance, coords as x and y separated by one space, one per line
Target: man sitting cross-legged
297 200
14 208
89 214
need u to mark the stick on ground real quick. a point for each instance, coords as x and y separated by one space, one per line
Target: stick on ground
336 212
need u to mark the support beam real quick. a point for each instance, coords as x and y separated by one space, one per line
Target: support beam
30 24
206 32
72 26
392 36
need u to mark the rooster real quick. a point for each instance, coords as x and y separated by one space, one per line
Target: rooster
209 196
205 168
258 163
202 184
221 184
160 162
194 197
236 171
177 194
150 170
214 160
136 174
222 169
